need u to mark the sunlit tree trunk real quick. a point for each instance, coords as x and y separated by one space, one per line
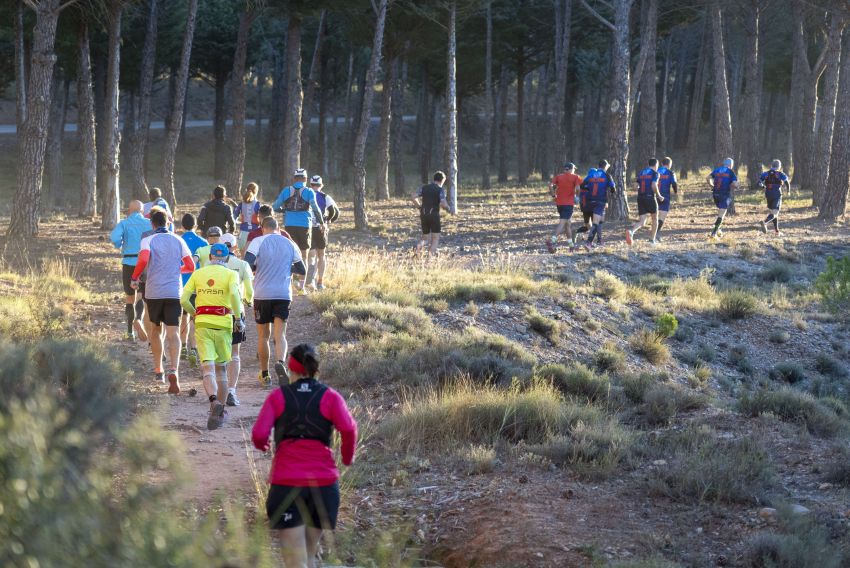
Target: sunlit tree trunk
294 96
55 136
491 103
826 120
647 135
86 126
382 175
310 93
20 67
139 143
236 166
111 189
838 181
563 34
752 91
451 111
698 100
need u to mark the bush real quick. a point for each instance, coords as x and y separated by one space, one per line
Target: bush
830 366
609 358
482 293
799 543
779 336
838 469
478 459
833 285
777 272
547 327
381 317
739 358
661 403
788 371
471 309
636 386
576 380
794 406
651 347
666 325
736 305
592 450
608 285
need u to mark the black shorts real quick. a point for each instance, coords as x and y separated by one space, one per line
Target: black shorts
288 507
126 278
165 311
319 240
774 200
265 311
647 205
565 212
238 336
430 223
300 236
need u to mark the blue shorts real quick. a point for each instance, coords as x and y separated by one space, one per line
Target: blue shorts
774 199
664 205
565 212
723 201
597 207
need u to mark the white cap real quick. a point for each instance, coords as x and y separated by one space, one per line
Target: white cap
300 172
316 180
228 239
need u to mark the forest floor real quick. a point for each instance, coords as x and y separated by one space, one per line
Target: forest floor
424 507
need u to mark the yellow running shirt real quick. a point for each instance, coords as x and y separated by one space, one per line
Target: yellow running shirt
217 298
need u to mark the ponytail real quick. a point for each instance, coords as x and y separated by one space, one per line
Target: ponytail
308 357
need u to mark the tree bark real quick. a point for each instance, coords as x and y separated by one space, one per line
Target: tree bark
86 126
427 134
33 137
838 180
752 91
563 35
139 142
324 95
647 135
110 165
382 179
521 150
826 120
503 126
20 67
236 165
451 111
258 104
491 99
397 132
277 136
310 92
665 90
55 135
294 96
698 100
172 135
361 220
724 146
220 126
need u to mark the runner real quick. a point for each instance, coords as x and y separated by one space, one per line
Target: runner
274 259
648 198
248 214
218 313
563 188
194 242
156 200
773 180
303 499
264 211
165 256
666 181
216 212
429 199
586 211
298 203
722 181
202 255
127 236
319 238
246 291
598 184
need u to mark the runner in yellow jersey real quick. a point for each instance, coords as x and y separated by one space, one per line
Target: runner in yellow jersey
217 302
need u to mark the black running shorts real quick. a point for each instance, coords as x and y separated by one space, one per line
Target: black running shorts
165 311
265 311
288 507
430 223
126 278
319 240
300 236
647 205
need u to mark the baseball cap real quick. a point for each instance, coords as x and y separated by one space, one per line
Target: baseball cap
214 232
569 166
300 173
316 180
228 239
219 251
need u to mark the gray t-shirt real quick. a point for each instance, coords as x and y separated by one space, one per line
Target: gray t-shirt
166 253
273 256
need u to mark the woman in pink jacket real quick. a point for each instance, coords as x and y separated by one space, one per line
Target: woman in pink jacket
304 494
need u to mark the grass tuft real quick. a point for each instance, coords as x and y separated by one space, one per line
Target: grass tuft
788 371
736 305
794 406
608 285
547 327
609 358
576 380
650 346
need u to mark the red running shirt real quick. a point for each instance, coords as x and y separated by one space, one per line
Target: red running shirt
566 184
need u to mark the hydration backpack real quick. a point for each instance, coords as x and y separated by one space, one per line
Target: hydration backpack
302 418
773 179
295 203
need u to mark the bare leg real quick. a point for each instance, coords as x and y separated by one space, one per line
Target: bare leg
559 229
263 345
280 346
221 381
298 280
654 217
172 341
293 547
435 242
320 266
311 267
208 373
184 328
314 536
423 243
157 333
234 366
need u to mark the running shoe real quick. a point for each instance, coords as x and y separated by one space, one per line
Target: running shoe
159 377
658 238
550 246
130 336
282 373
216 417
265 380
599 243
654 242
232 400
173 382
719 234
320 286
193 358
763 227
629 238
587 245
778 233
183 353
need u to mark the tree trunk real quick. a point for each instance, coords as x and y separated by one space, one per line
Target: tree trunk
487 162
277 136
427 135
324 94
294 96
220 126
838 180
55 135
382 175
20 67
752 92
665 90
172 134
110 165
521 150
544 140
647 135
563 34
236 165
451 111
361 220
503 126
258 105
86 126
698 101
310 92
826 120
33 137
139 142
397 132
724 146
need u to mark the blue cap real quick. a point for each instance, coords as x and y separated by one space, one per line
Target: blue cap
219 251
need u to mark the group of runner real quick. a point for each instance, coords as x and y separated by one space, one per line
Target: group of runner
655 185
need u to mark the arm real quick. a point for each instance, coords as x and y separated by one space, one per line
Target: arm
188 265
235 297
298 268
141 263
188 290
278 203
230 222
202 220
247 285
314 207
657 191
117 235
414 198
675 183
710 181
334 408
272 408
251 254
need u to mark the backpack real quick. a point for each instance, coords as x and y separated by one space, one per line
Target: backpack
773 179
295 203
302 418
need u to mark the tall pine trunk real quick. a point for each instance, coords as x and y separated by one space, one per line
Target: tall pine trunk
521 150
698 100
310 93
236 164
33 137
835 196
294 96
427 134
563 34
503 126
86 126
20 67
361 220
397 131
752 92
220 126
139 143
487 162
55 136
277 136
826 120
172 134
647 135
322 160
665 91
382 175
110 165
451 111
724 146
258 104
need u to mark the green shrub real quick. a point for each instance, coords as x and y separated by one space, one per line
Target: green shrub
471 309
830 366
662 402
482 293
635 386
608 285
833 285
788 371
547 327
777 272
799 542
838 469
666 325
651 347
739 358
793 406
609 358
592 450
779 336
389 317
736 305
576 380
706 353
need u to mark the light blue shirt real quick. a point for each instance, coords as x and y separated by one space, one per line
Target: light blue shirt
127 236
298 218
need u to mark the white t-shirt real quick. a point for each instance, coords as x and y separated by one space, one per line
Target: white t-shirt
274 256
167 251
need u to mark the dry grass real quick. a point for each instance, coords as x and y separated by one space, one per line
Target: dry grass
794 406
650 346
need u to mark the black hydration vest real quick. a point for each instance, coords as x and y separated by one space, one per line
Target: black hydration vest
302 419
773 181
431 199
295 202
